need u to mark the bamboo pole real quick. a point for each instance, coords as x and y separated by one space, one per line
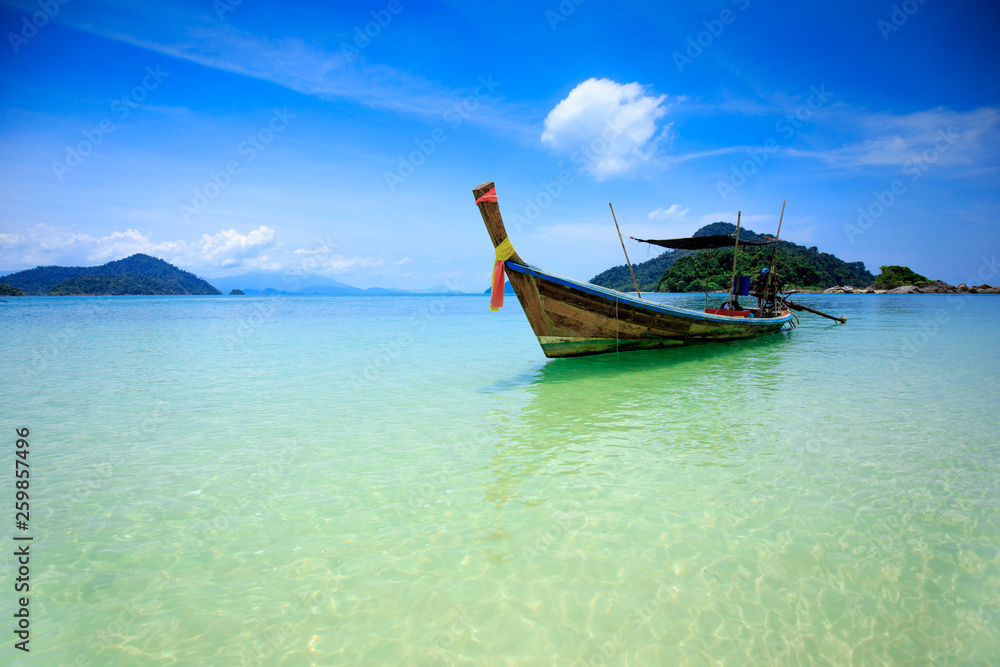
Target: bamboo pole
736 249
799 306
774 254
634 281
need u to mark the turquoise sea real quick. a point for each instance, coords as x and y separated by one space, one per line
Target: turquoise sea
407 480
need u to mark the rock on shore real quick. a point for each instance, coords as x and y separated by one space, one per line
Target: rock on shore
932 287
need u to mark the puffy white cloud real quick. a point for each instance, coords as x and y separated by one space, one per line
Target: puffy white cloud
229 247
675 212
612 127
44 244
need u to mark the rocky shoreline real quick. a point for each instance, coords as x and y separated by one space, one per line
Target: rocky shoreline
932 287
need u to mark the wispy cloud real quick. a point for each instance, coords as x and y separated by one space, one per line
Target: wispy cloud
294 64
675 212
939 136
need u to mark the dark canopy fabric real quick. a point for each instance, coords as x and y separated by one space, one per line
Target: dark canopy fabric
703 242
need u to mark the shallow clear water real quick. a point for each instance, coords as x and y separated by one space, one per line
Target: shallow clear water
359 480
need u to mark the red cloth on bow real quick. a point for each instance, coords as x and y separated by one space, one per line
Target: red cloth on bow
489 196
496 292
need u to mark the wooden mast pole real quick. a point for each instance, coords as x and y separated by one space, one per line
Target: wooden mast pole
778 235
774 254
634 281
736 249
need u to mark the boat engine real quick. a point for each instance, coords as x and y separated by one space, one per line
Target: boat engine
766 286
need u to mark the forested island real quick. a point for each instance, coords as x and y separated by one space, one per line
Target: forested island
711 270
136 275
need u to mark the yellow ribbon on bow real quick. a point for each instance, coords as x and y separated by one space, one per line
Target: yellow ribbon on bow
504 251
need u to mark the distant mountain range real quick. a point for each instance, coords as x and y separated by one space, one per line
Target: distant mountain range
273 282
284 283
700 270
138 274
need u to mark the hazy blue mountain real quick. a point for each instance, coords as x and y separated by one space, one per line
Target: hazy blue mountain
281 282
507 289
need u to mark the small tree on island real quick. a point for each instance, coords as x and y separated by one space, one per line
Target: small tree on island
897 276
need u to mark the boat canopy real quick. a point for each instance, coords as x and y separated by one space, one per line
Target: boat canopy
705 242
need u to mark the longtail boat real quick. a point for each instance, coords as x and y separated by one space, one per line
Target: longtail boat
572 318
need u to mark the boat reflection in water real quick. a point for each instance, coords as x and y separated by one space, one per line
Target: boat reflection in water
596 430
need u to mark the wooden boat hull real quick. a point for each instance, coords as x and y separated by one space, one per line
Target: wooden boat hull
572 318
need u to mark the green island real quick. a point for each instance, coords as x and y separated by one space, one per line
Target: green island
138 274
898 276
9 290
711 270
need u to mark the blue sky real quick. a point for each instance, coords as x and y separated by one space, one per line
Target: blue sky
240 136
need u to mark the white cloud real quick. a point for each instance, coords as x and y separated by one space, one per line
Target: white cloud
921 139
227 249
612 126
675 212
